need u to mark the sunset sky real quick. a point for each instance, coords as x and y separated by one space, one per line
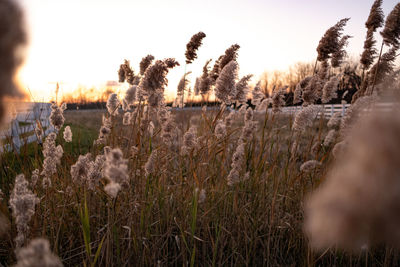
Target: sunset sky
83 42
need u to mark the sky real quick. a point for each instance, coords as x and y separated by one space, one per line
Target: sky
83 42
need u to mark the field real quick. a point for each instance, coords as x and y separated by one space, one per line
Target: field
180 209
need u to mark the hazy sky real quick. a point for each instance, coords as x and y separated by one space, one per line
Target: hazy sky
83 42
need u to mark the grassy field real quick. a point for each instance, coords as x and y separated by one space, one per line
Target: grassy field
183 212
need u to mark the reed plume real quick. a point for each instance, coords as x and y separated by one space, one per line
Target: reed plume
205 81
113 104
22 203
67 134
242 89
126 73
37 254
329 90
330 42
310 165
391 31
375 20
152 85
115 170
278 99
357 205
230 55
12 38
225 88
145 63
257 94
192 47
384 67
340 53
56 116
52 157
300 87
305 118
214 73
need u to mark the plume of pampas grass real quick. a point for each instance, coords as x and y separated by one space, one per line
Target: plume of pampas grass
80 170
257 94
242 89
52 157
225 88
376 17
115 170
67 134
113 104
375 20
12 38
237 162
313 90
22 203
56 116
214 73
357 205
230 55
300 87
145 63
125 73
130 95
391 32
305 118
95 172
37 254
151 86
220 129
330 137
340 53
193 45
278 99
189 140
334 121
323 71
150 165
183 83
205 81
330 42
329 90
309 166
384 67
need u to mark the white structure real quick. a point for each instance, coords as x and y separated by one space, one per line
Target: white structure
27 116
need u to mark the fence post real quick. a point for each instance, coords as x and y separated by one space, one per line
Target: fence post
343 109
15 134
332 110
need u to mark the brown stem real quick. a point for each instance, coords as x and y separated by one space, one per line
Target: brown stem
315 66
376 71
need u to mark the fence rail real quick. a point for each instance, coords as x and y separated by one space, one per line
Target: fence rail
21 129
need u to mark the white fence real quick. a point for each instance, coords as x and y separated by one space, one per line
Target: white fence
329 110
21 130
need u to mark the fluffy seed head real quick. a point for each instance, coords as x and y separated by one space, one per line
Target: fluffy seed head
145 63
67 134
37 254
225 88
192 47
